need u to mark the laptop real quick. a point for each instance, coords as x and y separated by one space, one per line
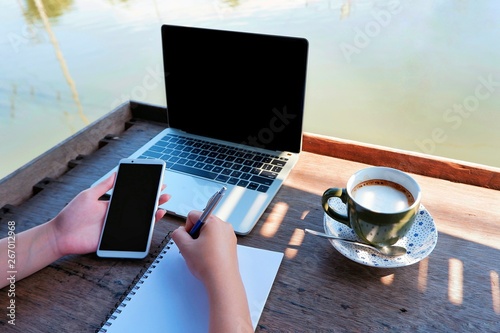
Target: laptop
235 105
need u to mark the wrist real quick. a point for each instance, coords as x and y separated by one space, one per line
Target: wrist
54 239
221 278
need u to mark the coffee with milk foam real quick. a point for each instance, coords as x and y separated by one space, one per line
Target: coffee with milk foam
382 196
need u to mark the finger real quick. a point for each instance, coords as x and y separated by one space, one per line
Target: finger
105 185
164 198
181 237
192 218
159 214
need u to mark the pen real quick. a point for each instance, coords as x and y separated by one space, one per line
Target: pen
211 204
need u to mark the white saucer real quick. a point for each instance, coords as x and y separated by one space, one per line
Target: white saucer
419 242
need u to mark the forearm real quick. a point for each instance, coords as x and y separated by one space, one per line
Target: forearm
219 272
228 305
30 251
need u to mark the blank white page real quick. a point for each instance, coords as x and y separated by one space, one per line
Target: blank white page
168 298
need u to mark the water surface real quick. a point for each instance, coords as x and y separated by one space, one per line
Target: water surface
415 75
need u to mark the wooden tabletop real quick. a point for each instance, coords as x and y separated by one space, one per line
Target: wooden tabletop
455 289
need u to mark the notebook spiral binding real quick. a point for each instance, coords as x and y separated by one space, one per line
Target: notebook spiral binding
136 283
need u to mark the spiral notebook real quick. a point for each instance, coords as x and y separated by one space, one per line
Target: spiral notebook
168 298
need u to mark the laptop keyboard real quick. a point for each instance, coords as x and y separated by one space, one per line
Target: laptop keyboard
229 165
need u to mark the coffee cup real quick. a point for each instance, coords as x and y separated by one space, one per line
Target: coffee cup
381 203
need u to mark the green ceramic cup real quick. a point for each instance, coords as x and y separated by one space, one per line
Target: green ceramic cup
382 204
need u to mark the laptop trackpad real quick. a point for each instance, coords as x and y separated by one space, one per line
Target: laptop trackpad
190 193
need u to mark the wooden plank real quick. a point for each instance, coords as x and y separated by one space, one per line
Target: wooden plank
436 167
75 293
455 289
149 112
18 186
318 289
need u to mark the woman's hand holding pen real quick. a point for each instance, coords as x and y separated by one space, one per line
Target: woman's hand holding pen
213 259
213 252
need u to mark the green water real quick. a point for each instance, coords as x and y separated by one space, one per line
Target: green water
414 75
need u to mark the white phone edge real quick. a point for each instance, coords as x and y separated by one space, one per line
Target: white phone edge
133 254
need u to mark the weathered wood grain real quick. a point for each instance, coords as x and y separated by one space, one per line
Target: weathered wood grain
18 186
432 166
455 289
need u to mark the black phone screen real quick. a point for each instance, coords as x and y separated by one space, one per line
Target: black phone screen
132 208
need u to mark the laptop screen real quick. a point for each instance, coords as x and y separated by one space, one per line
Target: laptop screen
241 87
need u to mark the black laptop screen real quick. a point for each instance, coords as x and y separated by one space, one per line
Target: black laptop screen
234 86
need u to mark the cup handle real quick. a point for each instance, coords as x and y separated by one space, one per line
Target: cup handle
335 192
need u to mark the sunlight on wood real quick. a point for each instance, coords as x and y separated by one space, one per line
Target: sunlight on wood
423 269
387 280
273 222
495 291
472 235
290 253
295 241
300 187
455 281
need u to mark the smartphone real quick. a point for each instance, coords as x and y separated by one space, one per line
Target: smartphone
130 218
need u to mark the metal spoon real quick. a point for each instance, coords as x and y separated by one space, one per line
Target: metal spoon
392 251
